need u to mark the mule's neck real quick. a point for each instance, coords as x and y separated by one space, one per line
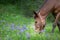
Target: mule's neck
47 7
42 14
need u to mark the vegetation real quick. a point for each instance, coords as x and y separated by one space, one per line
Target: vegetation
17 22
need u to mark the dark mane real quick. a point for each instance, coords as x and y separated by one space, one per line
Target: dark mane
42 5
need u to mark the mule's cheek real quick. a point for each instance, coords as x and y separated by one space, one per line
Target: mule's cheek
36 27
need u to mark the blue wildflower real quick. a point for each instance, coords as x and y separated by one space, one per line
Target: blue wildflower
12 26
22 30
24 27
18 27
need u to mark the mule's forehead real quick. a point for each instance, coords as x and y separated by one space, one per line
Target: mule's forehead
37 19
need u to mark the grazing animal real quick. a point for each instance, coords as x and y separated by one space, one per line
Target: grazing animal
40 17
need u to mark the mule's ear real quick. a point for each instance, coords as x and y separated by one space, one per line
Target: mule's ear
35 14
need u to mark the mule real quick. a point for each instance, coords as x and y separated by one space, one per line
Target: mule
52 6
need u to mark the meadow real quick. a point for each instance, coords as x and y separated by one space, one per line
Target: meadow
15 26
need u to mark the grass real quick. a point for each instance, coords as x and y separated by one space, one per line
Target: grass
15 26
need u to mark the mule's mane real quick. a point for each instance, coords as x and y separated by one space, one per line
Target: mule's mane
42 5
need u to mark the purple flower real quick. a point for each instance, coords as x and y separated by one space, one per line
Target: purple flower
22 30
24 27
18 27
12 26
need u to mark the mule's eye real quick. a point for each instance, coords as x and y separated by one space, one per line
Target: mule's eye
35 22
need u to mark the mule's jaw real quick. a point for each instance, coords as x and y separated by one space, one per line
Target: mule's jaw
36 30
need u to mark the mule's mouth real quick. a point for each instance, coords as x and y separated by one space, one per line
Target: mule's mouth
42 31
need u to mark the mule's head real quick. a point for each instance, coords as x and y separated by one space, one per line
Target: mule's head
39 25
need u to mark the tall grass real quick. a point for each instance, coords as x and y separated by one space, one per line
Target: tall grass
15 26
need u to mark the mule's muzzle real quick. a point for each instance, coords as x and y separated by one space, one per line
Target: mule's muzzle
42 31
37 31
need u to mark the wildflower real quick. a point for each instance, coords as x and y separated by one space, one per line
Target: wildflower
12 26
22 30
24 27
18 27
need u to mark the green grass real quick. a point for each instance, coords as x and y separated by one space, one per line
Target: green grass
11 21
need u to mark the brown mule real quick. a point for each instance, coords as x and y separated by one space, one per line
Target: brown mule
40 17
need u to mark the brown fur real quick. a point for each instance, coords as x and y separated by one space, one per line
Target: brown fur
49 6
